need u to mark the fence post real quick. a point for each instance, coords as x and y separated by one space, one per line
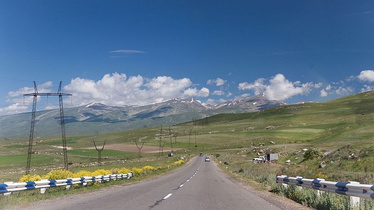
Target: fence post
353 200
320 192
8 193
298 186
69 182
43 190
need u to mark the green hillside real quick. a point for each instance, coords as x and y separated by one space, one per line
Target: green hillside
340 131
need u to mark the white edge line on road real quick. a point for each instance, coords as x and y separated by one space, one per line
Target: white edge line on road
168 196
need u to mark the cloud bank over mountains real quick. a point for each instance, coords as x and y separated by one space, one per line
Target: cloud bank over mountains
118 89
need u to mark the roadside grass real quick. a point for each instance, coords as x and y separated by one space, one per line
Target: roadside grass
94 153
160 166
19 160
264 177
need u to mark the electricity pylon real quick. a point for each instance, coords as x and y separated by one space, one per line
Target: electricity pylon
35 95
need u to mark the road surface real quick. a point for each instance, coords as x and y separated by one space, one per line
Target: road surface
198 185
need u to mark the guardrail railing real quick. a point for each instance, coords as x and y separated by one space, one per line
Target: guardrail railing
8 187
354 190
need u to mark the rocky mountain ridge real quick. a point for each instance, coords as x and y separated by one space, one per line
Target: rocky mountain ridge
97 117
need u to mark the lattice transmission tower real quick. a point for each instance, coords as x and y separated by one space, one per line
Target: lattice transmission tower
35 95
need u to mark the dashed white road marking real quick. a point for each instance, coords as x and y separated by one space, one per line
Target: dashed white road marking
167 196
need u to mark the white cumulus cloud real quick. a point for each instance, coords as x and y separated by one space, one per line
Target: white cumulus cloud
118 89
257 86
217 82
15 108
366 75
323 93
278 87
21 103
367 88
218 93
194 92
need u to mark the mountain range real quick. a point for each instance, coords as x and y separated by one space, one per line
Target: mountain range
97 118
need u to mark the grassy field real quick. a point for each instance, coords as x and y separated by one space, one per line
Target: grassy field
341 131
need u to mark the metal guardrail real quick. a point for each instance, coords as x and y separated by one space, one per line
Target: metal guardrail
8 187
354 189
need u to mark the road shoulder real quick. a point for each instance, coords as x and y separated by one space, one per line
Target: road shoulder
275 199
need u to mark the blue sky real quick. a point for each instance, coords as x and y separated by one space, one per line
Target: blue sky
140 52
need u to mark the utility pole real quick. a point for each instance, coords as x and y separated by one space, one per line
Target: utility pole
171 140
140 147
35 95
161 143
99 151
196 133
189 138
161 147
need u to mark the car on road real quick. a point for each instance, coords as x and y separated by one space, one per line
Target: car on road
207 159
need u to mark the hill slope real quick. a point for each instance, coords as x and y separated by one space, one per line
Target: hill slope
345 119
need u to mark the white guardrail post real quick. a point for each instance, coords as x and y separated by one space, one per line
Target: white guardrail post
9 187
354 190
354 200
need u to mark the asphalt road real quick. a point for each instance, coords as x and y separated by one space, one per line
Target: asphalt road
198 185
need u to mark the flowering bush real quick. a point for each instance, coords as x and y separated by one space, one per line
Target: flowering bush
81 174
321 175
101 172
179 162
58 174
124 171
137 171
148 168
64 174
30 178
115 170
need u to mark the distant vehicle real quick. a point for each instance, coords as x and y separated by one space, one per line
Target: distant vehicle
207 159
260 159
264 159
272 157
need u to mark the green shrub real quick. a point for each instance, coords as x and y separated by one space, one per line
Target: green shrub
311 153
